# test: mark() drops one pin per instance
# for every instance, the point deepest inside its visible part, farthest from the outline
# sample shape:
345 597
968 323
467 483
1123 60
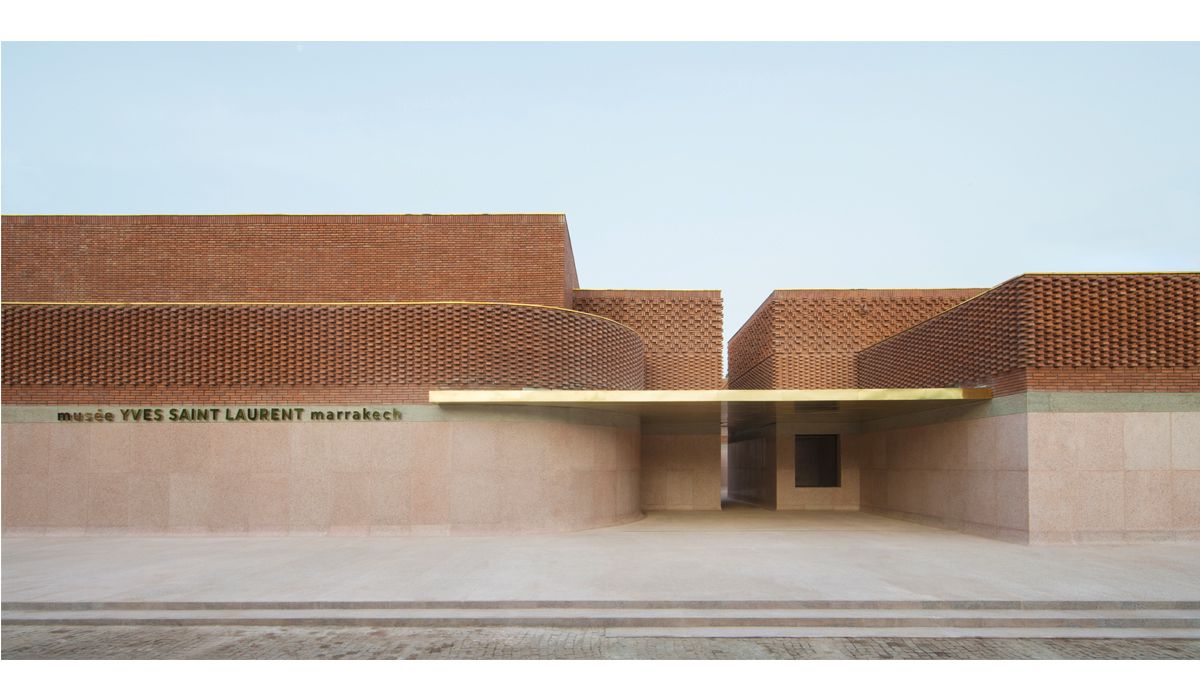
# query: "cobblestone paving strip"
182 642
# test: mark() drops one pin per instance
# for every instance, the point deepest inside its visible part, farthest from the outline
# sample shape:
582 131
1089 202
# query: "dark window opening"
817 461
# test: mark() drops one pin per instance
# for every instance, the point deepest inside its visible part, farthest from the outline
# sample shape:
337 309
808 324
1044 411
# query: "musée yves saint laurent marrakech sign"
227 414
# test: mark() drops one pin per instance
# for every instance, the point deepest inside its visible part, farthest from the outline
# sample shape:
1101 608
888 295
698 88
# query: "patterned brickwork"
521 258
1114 320
751 350
681 329
815 370
759 376
251 353
1135 332
808 339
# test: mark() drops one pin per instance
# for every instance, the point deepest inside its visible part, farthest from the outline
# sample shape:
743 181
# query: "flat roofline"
544 396
875 289
1143 272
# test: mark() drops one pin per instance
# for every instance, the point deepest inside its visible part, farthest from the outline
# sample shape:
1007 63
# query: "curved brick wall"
256 353
1138 332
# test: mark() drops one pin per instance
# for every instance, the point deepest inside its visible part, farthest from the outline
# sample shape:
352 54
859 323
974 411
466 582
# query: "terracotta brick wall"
682 331
570 276
751 350
56 354
523 258
1094 332
808 338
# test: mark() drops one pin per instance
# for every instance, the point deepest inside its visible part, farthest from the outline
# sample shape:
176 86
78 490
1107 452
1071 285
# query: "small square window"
817 463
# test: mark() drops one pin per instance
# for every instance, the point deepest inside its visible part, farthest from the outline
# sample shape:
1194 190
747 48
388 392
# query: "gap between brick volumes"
219 415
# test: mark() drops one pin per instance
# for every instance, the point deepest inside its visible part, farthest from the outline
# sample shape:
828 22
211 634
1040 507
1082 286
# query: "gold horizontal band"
537 396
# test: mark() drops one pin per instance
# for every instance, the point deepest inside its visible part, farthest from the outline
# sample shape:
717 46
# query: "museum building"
446 374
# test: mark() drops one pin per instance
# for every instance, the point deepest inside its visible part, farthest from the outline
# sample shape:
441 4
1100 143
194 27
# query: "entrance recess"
768 433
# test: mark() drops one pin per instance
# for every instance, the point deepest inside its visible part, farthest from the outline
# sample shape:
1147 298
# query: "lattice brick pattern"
751 349
322 347
808 338
679 370
1114 320
831 370
1131 332
759 376
681 329
819 324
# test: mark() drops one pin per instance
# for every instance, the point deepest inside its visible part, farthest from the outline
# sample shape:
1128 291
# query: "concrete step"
924 632
609 604
1176 619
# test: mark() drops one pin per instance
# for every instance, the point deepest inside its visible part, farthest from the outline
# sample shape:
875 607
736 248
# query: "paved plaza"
741 554
741 583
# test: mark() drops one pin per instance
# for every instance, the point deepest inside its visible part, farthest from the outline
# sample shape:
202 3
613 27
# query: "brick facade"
303 345
58 354
1045 332
273 307
682 331
521 258
808 338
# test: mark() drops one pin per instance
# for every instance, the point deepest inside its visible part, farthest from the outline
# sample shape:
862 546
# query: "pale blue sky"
741 167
